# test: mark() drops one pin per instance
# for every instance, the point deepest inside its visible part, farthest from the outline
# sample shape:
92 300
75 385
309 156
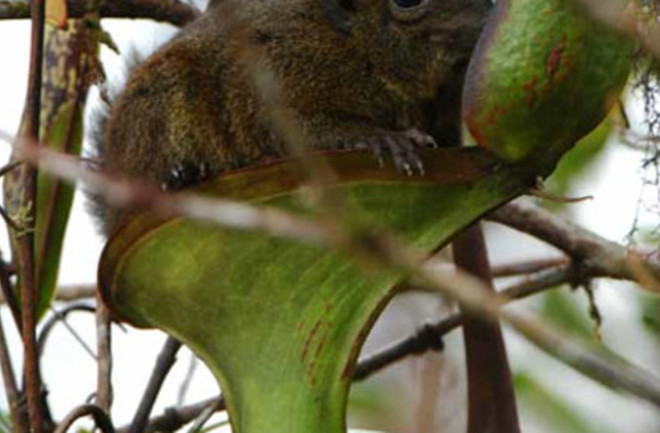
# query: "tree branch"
9 297
101 418
597 256
24 242
491 400
527 267
63 294
429 337
173 12
56 318
16 409
103 356
175 418
164 363
378 247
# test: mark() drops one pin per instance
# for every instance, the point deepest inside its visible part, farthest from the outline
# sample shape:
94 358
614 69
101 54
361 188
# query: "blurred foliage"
577 162
561 307
550 410
5 423
650 314
370 403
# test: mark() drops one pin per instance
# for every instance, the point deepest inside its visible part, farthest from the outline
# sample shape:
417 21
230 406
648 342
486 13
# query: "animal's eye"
407 4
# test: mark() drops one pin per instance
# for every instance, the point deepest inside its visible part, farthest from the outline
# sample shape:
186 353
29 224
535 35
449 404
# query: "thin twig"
16 409
597 255
204 417
175 418
378 247
164 363
101 418
68 293
75 335
103 356
527 267
429 337
185 384
9 220
9 167
7 290
60 316
174 12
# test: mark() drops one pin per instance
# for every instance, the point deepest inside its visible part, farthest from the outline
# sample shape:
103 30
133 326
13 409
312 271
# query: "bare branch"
175 418
63 294
429 337
527 267
378 247
16 409
57 317
103 356
597 256
101 418
491 400
25 196
185 383
9 297
174 12
164 363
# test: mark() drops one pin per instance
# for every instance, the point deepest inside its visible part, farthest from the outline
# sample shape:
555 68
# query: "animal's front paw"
403 146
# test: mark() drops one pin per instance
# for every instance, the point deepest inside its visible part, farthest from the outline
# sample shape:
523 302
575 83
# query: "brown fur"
193 102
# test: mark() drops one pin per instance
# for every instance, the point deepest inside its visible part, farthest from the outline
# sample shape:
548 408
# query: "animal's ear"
338 13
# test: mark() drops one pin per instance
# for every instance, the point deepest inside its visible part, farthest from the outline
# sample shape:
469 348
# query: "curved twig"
102 419
427 337
57 317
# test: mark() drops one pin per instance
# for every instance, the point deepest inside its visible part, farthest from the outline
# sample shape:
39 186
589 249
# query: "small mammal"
353 71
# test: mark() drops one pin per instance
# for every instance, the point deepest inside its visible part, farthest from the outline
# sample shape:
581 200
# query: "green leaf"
561 308
550 409
280 323
70 67
578 160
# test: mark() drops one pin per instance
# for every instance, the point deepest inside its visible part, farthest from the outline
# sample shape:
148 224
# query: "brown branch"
65 293
9 297
164 363
103 356
16 409
101 418
429 337
491 400
175 418
527 267
597 256
25 241
74 293
378 247
173 12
